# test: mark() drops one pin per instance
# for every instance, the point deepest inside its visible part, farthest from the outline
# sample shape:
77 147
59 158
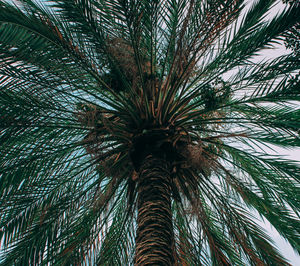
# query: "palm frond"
89 89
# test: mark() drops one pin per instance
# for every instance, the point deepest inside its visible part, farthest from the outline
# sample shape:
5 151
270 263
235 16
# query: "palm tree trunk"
155 238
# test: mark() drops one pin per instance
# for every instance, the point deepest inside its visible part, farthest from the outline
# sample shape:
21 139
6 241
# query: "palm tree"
292 40
139 132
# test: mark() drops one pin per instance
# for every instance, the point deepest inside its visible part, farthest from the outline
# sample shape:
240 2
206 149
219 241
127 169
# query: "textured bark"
155 238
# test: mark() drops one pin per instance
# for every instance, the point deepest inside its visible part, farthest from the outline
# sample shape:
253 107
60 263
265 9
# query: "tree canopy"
89 89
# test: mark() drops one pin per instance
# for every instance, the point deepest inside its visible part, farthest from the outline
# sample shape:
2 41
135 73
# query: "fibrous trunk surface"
155 238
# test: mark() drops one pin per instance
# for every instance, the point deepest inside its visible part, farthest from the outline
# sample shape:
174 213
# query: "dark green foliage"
89 89
292 40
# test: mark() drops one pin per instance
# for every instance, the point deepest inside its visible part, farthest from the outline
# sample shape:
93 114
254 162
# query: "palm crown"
122 139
